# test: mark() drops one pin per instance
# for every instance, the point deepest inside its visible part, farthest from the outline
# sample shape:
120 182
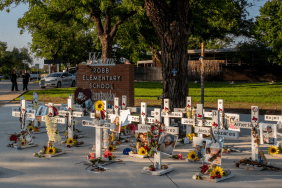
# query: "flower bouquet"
47 151
275 151
178 156
212 172
24 138
192 156
72 142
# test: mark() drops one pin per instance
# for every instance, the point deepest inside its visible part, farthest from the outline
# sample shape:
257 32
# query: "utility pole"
202 72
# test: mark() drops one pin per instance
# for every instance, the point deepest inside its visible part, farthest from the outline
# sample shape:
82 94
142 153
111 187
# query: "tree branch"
96 16
114 30
155 51
107 25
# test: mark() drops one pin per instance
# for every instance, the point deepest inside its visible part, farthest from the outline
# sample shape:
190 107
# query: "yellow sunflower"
111 148
30 128
192 155
22 143
273 150
70 141
142 151
112 138
50 150
217 171
99 105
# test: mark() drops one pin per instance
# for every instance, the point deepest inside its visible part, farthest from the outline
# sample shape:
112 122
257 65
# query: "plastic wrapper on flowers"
126 151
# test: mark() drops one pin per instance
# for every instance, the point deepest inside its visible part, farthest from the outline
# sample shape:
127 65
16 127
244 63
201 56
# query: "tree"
268 28
105 15
176 20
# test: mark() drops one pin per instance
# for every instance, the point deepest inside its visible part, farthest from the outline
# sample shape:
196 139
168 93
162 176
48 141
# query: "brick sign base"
107 82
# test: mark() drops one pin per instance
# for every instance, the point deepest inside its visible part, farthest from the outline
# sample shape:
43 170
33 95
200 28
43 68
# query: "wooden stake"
202 72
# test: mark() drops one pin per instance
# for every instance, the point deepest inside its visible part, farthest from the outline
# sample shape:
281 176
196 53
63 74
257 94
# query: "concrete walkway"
18 168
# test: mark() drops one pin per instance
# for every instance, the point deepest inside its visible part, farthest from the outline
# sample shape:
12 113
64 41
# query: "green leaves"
268 28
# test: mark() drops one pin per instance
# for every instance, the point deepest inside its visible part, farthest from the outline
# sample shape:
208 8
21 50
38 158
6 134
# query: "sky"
10 33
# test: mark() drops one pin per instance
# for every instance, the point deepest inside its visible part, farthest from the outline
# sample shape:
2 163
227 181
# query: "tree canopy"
268 28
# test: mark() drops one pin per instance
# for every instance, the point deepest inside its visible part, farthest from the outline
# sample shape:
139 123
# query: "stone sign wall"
107 82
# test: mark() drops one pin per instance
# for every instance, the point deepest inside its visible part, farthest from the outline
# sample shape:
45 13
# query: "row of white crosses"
70 114
99 125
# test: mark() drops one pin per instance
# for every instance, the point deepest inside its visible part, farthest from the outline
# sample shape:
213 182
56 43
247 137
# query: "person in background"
14 80
25 76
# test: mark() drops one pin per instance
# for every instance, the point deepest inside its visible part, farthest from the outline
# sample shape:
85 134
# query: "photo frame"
141 139
229 121
167 143
213 152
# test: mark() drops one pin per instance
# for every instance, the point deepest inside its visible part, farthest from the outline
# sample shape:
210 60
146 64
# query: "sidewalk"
10 96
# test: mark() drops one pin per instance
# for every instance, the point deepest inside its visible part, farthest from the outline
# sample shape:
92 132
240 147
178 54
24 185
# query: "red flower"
146 148
153 169
68 146
13 138
218 176
107 154
153 141
69 108
215 124
153 128
162 130
179 156
212 177
204 168
143 114
50 114
199 116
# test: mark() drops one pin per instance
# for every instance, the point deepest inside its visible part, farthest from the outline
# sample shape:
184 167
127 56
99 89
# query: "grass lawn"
240 95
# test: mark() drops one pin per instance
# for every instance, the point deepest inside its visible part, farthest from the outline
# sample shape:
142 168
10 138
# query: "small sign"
16 114
226 133
142 127
150 120
272 118
134 118
68 65
78 114
187 121
30 115
242 124
182 110
172 130
173 115
208 114
202 130
37 66
174 72
87 123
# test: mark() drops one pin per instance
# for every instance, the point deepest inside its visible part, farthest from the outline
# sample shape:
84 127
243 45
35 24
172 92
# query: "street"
6 86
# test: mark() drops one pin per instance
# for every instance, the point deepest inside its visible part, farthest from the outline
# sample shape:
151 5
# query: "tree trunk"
107 43
172 22
175 56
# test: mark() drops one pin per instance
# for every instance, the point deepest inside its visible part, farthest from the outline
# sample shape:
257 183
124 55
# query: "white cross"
250 125
99 125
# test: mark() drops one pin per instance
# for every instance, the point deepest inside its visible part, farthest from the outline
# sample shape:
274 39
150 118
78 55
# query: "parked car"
58 79
34 76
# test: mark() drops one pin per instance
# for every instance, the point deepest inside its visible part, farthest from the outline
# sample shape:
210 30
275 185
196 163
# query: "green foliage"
268 28
240 92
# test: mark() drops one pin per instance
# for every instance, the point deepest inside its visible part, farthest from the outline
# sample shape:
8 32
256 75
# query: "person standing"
25 76
14 80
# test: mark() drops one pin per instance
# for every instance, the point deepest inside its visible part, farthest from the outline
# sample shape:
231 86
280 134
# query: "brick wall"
88 78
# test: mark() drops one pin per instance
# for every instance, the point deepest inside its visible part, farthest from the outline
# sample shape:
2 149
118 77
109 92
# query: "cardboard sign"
208 114
77 114
173 115
171 130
